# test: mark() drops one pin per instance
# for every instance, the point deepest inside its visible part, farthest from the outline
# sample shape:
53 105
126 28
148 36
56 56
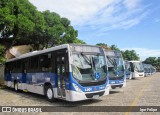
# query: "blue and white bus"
147 69
128 70
116 71
70 72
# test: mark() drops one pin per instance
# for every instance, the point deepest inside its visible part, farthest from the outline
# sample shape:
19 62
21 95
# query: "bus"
69 72
116 71
152 69
128 70
147 69
137 69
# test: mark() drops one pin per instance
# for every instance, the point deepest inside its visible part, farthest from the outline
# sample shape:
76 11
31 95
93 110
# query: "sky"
129 24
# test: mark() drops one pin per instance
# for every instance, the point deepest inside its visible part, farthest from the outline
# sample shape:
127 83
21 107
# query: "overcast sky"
129 24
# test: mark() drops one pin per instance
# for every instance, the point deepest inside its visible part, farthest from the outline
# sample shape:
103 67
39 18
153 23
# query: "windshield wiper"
111 61
87 59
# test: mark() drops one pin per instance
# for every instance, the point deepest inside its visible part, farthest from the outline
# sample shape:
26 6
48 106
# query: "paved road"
138 92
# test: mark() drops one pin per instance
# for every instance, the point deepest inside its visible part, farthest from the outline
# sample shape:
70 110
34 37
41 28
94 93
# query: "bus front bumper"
79 96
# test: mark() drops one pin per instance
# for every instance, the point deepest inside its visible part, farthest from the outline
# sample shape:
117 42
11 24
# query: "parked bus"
116 73
147 69
128 70
137 69
70 72
152 69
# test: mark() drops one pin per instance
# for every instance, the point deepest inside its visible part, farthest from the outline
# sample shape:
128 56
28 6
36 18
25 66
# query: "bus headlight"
76 88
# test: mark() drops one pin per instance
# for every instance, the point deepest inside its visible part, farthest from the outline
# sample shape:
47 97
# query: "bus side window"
11 67
18 66
45 62
7 68
34 64
132 67
25 65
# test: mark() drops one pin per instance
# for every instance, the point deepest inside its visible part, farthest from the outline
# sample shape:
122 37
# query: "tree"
19 22
153 61
58 30
130 55
114 47
103 45
2 53
22 24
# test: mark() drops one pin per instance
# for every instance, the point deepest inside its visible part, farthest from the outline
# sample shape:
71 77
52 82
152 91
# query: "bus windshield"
127 68
115 66
138 67
88 67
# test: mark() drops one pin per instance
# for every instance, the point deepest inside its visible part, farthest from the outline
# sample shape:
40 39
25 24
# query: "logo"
6 109
97 75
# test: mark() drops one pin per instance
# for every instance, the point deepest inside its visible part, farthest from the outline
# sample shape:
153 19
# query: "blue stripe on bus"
39 79
88 88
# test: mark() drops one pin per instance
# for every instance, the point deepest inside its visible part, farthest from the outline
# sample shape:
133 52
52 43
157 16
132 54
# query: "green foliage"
103 45
19 21
58 30
153 61
130 55
114 47
2 53
21 24
127 55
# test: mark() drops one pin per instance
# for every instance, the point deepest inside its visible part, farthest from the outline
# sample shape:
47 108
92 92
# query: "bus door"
61 74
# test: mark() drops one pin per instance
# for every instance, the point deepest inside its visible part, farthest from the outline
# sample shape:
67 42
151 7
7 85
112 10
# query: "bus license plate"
96 96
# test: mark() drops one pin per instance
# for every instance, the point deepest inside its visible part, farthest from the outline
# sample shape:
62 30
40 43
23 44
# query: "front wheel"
49 93
113 87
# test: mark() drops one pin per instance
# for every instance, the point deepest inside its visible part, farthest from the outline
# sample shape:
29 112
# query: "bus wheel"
113 87
16 86
49 93
130 77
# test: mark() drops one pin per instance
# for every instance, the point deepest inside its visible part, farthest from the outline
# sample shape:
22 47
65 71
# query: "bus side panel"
7 79
35 81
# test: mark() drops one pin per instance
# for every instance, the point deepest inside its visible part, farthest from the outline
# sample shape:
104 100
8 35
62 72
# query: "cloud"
131 4
98 15
156 20
145 52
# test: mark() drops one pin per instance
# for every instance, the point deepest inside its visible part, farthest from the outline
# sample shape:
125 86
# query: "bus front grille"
116 78
90 95
95 83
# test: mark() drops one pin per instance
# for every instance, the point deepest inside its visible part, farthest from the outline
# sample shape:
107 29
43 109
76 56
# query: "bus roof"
113 53
39 52
134 61
52 49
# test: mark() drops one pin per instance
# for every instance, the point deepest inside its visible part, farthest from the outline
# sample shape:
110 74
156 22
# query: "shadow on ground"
41 98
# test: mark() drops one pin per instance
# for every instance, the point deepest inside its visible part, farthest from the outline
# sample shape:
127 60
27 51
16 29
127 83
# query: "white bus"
137 69
70 72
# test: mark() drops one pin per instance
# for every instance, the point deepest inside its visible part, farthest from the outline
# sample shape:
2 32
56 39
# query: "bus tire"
113 87
49 93
16 86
